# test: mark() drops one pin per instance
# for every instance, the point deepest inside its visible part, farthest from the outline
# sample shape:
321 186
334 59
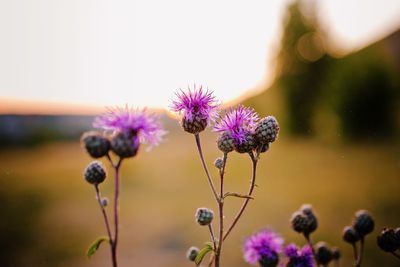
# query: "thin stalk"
355 253
396 255
210 182
105 217
212 236
360 256
246 201
221 213
116 212
308 238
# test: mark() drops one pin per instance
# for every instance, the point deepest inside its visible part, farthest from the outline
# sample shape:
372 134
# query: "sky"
138 52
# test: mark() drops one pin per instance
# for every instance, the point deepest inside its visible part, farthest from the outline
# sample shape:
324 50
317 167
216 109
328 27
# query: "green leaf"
203 252
95 245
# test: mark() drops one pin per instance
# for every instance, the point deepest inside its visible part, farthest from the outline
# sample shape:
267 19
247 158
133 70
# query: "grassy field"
50 214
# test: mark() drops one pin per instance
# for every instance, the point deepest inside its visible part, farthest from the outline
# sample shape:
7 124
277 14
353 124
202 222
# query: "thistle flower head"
239 122
133 121
196 102
263 246
299 257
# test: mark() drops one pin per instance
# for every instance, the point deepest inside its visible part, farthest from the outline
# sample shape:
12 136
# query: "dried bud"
204 216
95 173
194 125
247 144
125 145
267 130
299 222
350 235
387 240
104 202
323 253
219 163
336 254
192 253
226 142
96 144
363 223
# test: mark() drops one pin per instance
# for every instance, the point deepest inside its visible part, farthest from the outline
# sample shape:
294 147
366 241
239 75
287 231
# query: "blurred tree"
364 91
301 67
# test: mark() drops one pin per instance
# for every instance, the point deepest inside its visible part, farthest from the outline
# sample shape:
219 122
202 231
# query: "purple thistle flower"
133 121
299 257
195 103
263 247
238 122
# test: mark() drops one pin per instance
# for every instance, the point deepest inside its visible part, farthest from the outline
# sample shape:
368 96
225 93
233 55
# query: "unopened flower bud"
363 223
247 144
104 202
323 253
312 221
225 142
192 253
96 144
204 216
95 173
350 235
219 163
125 145
387 240
336 254
267 130
299 222
194 125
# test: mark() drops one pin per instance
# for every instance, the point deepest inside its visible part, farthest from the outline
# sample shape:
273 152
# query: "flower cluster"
124 130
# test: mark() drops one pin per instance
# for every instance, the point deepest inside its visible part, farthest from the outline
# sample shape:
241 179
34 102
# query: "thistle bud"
336 254
363 223
95 173
323 253
312 221
219 163
387 240
350 235
299 222
125 145
267 130
96 144
226 142
247 144
204 216
192 253
194 125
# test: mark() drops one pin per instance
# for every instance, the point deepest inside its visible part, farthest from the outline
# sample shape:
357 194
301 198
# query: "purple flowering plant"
240 130
121 131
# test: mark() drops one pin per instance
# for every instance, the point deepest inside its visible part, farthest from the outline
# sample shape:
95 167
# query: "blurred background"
328 70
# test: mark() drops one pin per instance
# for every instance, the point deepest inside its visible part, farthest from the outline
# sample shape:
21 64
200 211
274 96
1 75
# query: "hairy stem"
210 182
360 256
221 213
116 212
246 201
105 217
308 238
355 253
212 236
